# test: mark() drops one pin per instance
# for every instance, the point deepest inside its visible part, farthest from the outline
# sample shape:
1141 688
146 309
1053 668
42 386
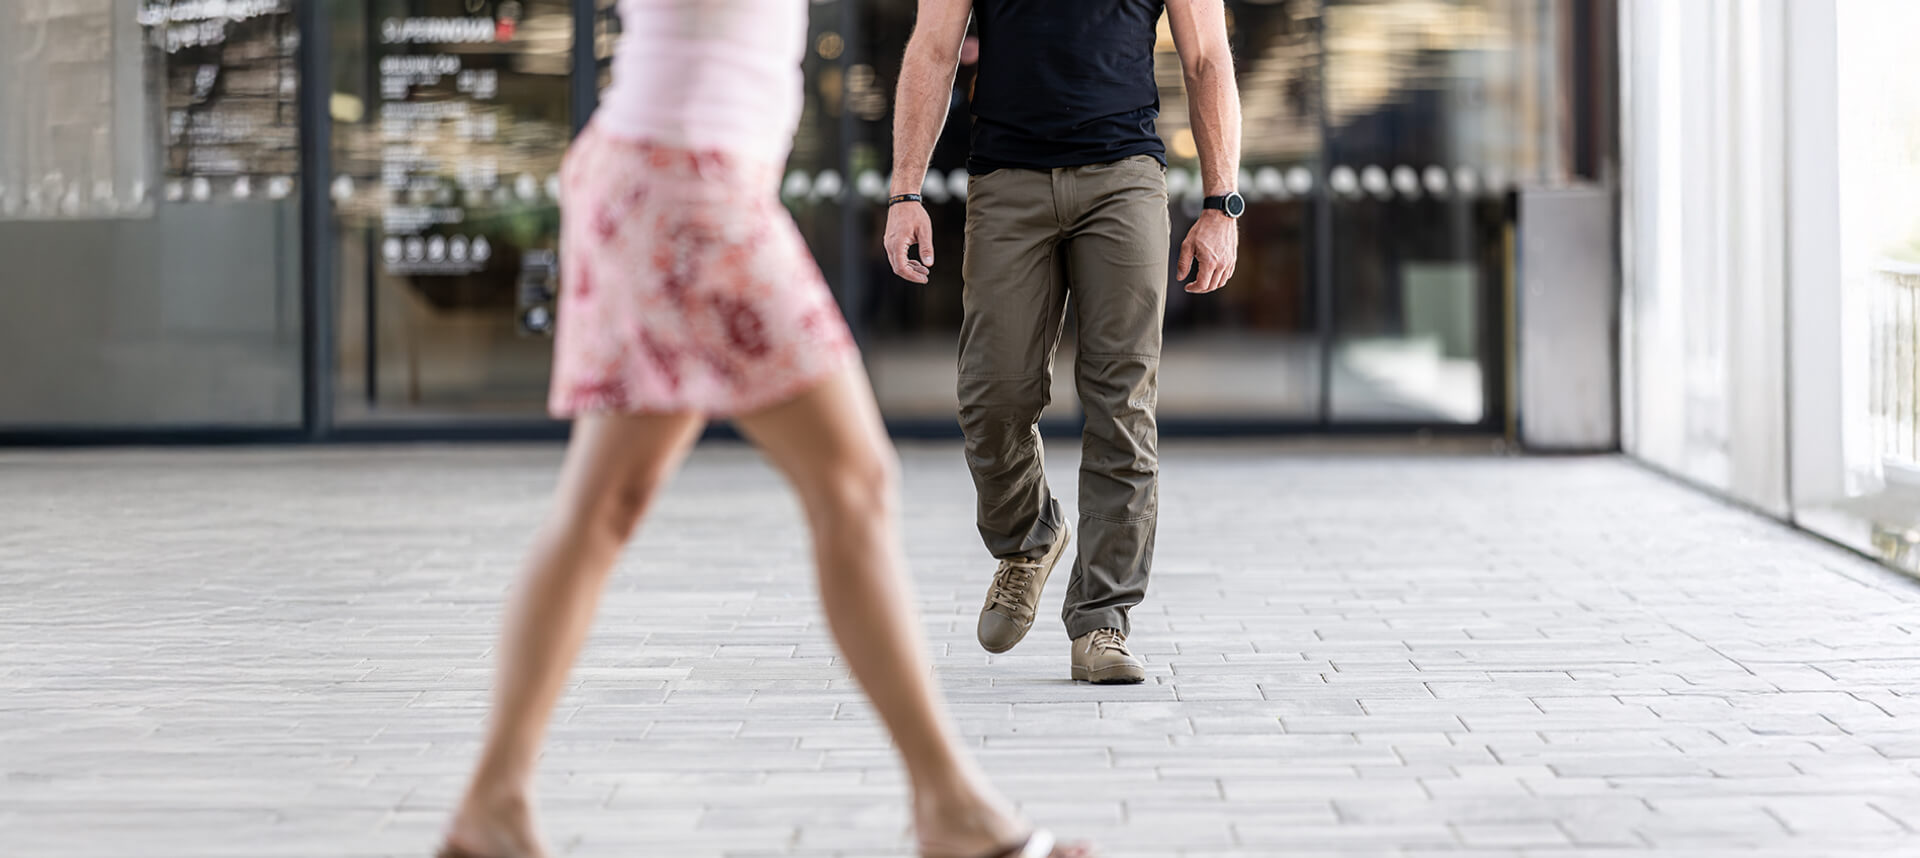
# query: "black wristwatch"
1231 204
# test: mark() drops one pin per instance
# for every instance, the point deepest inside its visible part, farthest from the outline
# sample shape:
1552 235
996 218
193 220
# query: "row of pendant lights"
1373 181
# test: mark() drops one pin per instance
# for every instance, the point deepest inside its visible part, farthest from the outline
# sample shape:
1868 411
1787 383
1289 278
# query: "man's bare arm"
919 112
1213 108
1213 98
926 87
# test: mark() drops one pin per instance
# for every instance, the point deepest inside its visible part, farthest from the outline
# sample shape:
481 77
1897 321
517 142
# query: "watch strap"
897 199
1219 203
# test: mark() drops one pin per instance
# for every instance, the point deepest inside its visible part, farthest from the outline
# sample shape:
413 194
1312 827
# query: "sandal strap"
1039 844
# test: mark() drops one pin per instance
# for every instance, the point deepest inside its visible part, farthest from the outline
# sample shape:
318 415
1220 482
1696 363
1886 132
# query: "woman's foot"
494 827
977 824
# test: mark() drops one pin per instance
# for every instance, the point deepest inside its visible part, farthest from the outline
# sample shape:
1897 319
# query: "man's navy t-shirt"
1064 83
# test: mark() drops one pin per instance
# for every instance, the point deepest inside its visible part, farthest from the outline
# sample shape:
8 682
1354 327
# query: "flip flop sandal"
1039 844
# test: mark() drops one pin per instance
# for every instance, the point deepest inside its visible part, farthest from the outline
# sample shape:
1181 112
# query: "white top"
709 74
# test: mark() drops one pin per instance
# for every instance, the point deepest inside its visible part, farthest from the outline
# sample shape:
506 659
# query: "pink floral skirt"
685 286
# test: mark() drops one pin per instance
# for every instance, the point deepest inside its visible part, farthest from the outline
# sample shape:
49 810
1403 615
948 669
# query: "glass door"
1434 111
450 118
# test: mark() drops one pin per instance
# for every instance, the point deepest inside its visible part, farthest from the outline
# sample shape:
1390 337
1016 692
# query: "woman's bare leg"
830 443
615 466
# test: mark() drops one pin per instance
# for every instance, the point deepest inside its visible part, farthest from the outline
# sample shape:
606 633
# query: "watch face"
1236 204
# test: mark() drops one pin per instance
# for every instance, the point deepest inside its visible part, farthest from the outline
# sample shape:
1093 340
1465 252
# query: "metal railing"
1894 380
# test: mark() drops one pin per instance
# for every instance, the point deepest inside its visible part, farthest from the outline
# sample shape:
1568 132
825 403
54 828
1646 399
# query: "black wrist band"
897 199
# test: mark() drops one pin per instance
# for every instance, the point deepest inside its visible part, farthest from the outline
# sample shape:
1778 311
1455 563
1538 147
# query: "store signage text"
450 31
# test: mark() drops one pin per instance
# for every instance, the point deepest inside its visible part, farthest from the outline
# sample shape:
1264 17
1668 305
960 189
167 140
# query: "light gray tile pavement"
286 653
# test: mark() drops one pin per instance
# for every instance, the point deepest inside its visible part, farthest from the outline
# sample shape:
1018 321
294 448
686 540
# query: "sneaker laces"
1010 586
1108 640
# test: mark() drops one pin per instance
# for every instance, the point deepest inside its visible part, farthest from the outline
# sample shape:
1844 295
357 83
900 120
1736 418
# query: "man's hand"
1213 245
907 225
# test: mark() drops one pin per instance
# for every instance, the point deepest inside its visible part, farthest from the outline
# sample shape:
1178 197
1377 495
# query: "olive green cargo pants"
1097 234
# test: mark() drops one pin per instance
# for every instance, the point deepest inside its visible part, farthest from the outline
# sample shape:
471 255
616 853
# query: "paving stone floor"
286 653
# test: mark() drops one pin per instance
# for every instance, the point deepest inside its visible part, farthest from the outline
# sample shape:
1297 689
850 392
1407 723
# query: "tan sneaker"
1101 657
1015 596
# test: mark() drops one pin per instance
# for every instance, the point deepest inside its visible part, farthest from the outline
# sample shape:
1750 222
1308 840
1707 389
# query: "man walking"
1067 198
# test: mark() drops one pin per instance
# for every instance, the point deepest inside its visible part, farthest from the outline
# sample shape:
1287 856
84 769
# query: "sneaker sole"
1047 564
1122 675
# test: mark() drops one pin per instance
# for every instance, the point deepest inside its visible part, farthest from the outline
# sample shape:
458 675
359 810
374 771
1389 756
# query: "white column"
1817 404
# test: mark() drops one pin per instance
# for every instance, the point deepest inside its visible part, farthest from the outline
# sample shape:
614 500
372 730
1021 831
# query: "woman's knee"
861 485
610 517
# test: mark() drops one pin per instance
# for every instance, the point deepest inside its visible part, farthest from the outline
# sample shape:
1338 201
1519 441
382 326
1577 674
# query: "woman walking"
689 294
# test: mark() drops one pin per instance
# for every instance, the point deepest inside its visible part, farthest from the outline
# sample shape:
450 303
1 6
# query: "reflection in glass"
79 104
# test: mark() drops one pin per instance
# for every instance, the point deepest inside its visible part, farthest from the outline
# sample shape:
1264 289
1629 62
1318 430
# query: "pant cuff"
1081 624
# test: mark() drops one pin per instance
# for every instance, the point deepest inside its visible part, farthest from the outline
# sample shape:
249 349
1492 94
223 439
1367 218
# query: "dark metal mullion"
1579 44
370 273
1322 256
584 91
370 298
316 228
1606 79
1499 317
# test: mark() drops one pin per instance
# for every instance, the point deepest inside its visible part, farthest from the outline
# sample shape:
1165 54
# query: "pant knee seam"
1112 520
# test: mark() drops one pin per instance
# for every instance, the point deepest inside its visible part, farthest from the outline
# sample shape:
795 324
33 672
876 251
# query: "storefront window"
149 215
152 187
